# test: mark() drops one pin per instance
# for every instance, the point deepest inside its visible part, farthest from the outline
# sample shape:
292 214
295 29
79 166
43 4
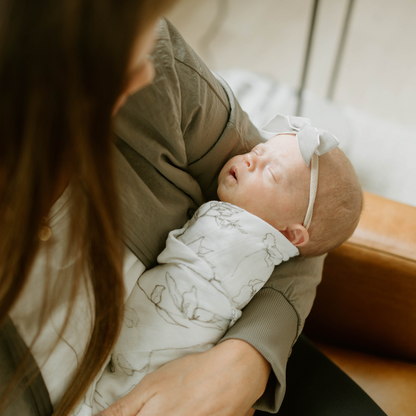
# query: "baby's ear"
297 234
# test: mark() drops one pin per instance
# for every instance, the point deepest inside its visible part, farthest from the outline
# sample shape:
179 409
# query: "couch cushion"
390 383
367 297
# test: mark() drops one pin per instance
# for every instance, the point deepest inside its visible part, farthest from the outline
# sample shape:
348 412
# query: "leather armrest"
367 298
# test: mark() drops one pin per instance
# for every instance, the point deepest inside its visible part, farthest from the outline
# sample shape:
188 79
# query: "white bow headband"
312 142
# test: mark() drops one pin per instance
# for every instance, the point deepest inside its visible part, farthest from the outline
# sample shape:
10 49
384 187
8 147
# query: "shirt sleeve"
274 319
197 130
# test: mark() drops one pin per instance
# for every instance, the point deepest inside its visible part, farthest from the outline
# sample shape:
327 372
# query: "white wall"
378 74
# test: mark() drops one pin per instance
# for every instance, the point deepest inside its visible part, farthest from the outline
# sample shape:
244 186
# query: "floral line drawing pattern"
212 280
248 291
272 255
186 303
222 213
201 251
127 368
146 368
156 298
272 252
131 318
209 270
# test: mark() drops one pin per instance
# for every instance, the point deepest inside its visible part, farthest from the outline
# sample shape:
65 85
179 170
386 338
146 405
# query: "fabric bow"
310 139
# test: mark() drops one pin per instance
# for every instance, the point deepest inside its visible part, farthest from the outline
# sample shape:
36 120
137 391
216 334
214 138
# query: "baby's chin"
223 194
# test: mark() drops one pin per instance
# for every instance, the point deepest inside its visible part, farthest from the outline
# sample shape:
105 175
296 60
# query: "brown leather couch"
364 316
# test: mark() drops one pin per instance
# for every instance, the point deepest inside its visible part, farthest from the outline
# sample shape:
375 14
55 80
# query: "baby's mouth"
233 173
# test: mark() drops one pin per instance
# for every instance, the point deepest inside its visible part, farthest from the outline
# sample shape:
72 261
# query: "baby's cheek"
219 193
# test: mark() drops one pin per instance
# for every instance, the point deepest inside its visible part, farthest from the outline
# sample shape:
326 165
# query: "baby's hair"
338 205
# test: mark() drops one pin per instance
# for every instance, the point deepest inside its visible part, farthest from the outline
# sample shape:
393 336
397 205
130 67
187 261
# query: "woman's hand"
223 381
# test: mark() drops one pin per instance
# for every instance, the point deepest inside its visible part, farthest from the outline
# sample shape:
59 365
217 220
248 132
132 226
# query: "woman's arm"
200 384
173 138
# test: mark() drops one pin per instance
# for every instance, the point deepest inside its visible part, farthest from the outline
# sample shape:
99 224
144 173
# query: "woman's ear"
297 234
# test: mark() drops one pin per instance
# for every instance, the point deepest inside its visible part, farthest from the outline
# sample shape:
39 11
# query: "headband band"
312 142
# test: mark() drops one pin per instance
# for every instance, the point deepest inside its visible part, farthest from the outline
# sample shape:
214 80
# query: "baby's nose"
250 161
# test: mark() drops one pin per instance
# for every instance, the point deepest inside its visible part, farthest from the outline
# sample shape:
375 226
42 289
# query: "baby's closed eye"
273 173
258 150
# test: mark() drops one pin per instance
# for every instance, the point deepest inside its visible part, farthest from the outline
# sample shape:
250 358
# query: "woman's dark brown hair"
62 67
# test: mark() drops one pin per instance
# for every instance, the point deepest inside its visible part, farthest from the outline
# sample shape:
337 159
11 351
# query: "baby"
274 182
213 266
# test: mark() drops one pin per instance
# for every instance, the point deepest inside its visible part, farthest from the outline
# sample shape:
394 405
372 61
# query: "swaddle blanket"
209 270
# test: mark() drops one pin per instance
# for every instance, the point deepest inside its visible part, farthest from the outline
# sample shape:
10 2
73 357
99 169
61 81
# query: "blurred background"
359 81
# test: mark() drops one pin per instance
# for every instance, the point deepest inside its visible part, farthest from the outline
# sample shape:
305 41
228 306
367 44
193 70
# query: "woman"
66 68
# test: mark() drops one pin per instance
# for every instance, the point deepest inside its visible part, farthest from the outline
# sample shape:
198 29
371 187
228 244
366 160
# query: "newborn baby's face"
271 182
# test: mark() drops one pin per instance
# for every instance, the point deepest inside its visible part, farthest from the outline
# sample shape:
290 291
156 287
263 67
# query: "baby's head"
273 182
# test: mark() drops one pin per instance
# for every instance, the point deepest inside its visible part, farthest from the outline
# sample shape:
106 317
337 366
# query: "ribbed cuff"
269 323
